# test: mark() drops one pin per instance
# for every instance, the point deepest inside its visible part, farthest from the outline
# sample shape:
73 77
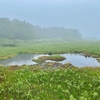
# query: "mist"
75 14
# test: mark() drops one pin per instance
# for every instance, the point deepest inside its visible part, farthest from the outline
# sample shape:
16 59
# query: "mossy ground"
42 59
98 59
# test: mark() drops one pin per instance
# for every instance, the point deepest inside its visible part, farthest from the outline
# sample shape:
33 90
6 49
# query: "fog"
83 15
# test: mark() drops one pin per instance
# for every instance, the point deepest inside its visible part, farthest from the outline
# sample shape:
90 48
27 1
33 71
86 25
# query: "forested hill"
15 29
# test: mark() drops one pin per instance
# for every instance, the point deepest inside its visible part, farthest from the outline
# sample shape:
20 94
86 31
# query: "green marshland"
33 82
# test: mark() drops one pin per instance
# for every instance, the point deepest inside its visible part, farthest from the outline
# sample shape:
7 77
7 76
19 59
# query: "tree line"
15 29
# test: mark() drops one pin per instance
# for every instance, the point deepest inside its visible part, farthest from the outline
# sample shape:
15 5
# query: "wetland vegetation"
55 81
64 82
35 83
42 59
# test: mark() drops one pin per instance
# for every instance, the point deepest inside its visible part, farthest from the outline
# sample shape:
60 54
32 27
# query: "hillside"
15 29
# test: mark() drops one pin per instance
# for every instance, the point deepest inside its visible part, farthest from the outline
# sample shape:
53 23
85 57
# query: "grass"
88 48
98 59
62 83
56 58
42 59
34 83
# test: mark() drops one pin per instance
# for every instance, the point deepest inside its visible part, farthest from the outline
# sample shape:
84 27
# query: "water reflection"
80 60
75 59
19 60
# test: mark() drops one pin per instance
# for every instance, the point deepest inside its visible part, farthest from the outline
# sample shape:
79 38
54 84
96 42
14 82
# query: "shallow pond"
75 59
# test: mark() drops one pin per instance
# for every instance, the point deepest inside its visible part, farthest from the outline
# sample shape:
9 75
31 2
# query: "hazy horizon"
82 15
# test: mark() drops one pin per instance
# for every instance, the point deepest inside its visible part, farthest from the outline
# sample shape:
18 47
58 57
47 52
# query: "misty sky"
83 15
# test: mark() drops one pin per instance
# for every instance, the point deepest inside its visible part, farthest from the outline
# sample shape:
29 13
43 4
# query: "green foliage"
39 47
42 59
56 58
31 83
34 83
15 29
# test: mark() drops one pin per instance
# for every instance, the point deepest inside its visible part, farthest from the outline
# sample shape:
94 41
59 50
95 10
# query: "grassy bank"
35 83
89 48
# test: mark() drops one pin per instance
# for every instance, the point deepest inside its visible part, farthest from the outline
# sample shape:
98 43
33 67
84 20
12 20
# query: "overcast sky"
83 15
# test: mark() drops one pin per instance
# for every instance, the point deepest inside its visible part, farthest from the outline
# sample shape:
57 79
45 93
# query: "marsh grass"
32 83
98 59
56 58
25 47
62 83
43 59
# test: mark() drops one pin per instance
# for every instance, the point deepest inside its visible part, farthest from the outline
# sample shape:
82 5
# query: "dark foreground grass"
35 83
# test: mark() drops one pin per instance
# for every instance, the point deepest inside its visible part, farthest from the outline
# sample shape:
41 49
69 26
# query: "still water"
75 59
